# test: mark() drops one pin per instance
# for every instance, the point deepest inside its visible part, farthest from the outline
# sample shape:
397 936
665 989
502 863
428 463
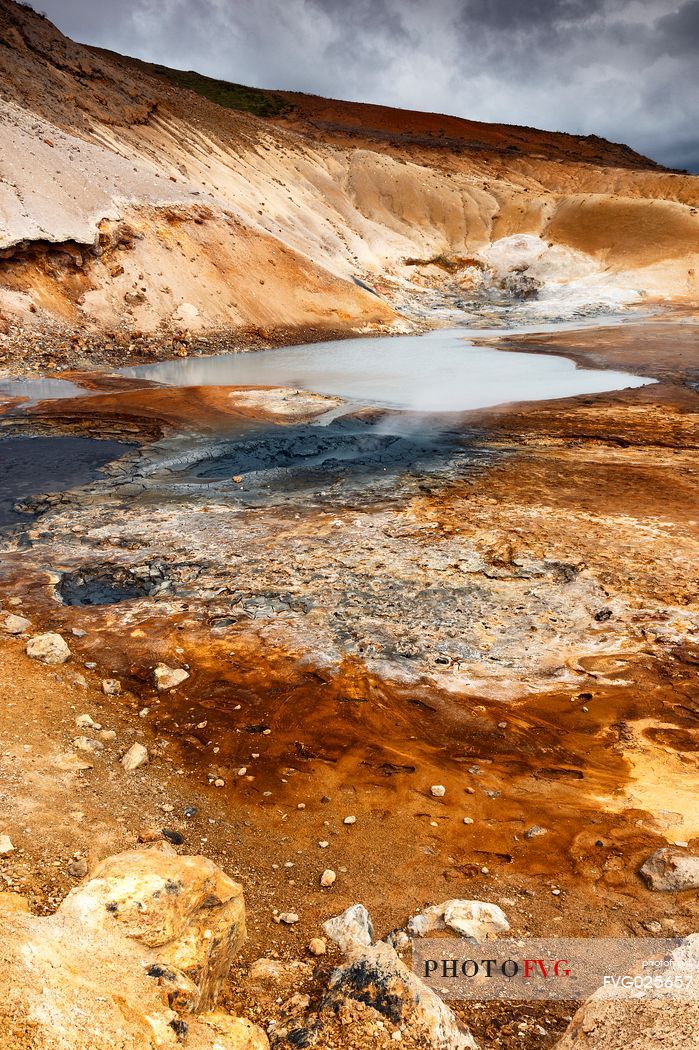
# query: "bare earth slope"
129 201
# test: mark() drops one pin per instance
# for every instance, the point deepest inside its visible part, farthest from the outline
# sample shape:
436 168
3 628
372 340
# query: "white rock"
16 624
186 313
50 648
6 847
671 870
111 686
350 820
438 790
327 878
86 722
352 929
136 756
477 920
168 677
288 917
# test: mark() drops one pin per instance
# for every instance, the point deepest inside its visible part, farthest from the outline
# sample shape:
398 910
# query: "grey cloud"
678 33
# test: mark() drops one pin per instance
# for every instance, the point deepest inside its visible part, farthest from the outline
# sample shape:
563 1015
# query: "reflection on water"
440 371
40 389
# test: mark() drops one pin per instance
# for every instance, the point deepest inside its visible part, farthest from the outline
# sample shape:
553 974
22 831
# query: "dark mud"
31 466
105 586
349 456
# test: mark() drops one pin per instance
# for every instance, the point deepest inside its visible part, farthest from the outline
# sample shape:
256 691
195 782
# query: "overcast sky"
624 69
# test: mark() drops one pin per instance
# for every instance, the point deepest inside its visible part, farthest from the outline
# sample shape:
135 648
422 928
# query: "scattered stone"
87 722
477 920
111 686
108 735
438 790
352 929
671 870
653 927
136 756
16 624
172 836
328 878
6 847
398 939
468 820
88 744
288 917
317 946
167 678
50 648
350 820
77 867
78 632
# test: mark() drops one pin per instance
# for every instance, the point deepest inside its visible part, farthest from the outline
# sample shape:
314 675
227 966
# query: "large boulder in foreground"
375 975
617 1019
133 958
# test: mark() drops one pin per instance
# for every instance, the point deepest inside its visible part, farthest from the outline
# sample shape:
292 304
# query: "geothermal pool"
440 371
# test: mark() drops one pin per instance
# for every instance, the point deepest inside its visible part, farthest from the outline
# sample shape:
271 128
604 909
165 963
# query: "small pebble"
350 820
77 867
438 790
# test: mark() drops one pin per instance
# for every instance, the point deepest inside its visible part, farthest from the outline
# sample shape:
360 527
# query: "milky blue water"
440 371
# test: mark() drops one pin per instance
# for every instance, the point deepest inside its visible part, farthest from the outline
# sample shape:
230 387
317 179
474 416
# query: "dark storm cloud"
678 33
625 69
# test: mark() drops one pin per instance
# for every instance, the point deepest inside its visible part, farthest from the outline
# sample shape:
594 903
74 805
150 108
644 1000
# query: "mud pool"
33 465
440 371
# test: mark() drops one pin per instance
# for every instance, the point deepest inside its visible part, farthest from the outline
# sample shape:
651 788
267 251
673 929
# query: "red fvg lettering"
559 968
532 965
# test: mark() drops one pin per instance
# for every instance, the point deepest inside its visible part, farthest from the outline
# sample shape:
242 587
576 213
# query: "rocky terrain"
144 211
287 681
